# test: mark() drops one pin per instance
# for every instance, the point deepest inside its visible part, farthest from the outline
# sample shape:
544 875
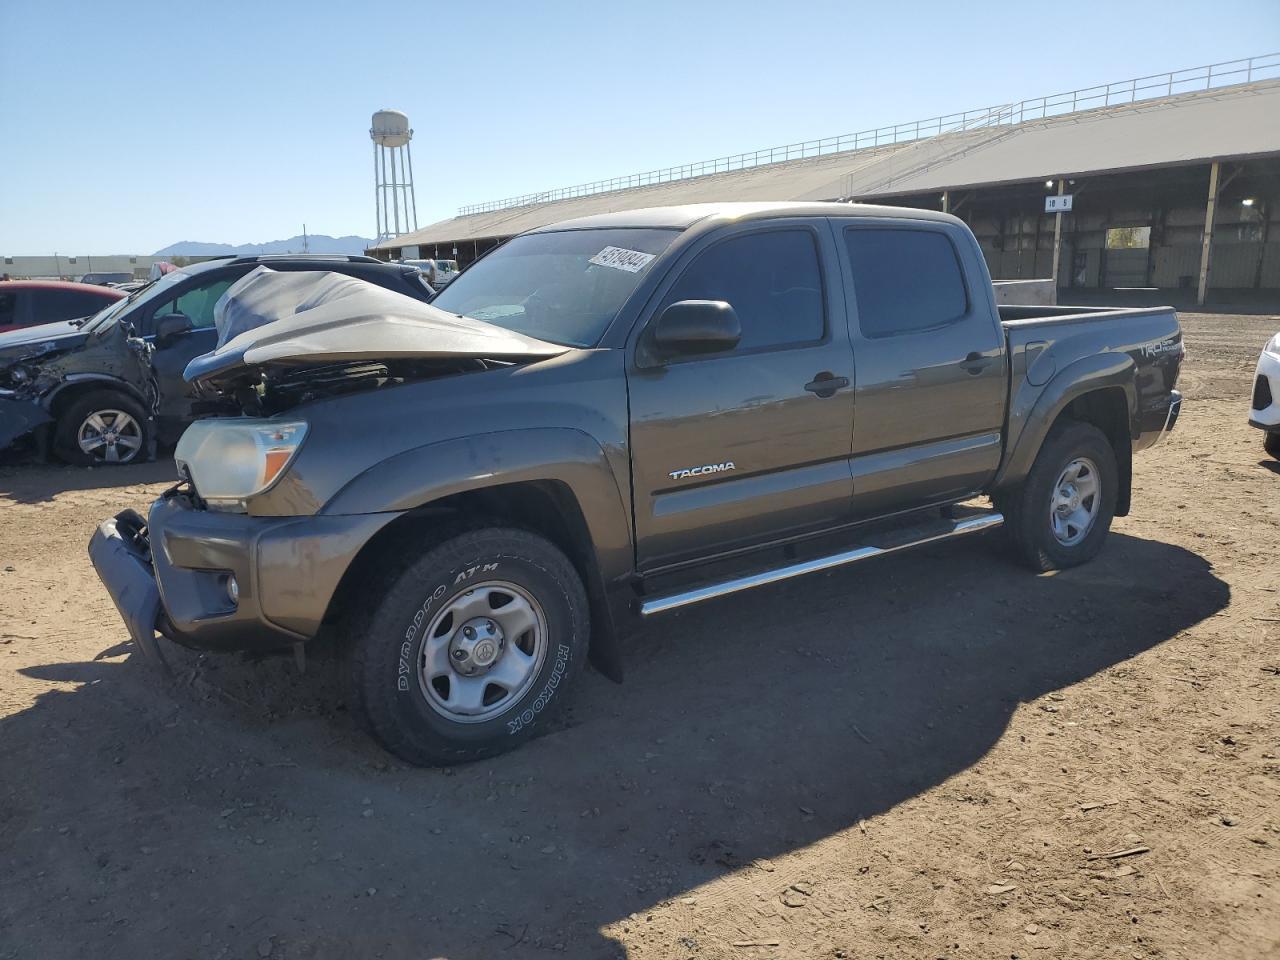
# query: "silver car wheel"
1075 502
110 436
482 652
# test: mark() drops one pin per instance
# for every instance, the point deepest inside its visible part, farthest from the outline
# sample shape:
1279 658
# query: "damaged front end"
285 339
37 366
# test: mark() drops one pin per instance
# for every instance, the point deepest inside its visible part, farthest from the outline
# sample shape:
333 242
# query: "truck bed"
1055 352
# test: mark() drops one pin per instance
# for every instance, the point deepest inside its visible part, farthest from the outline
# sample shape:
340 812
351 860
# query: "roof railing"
1119 93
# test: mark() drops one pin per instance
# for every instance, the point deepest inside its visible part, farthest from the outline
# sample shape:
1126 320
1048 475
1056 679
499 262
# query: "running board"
945 531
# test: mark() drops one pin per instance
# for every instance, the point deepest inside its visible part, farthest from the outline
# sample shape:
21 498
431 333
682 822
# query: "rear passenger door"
930 360
778 444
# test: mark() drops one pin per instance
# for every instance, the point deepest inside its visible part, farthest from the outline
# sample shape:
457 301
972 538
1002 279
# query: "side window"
86 304
50 306
770 279
904 280
198 303
8 309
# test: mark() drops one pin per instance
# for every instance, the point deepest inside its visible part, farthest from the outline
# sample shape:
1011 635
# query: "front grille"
1261 393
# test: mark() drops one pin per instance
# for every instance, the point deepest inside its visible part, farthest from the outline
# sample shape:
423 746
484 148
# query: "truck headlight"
1273 345
231 460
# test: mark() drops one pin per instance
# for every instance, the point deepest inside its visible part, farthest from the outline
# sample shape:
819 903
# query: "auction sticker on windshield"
620 258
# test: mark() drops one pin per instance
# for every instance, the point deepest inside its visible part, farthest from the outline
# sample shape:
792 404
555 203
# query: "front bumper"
172 576
19 418
1264 407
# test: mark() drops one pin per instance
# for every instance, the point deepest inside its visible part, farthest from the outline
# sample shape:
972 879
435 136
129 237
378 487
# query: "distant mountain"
315 243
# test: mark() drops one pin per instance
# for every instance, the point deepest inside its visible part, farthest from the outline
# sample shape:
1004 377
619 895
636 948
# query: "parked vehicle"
107 279
438 272
670 405
30 303
103 390
1264 408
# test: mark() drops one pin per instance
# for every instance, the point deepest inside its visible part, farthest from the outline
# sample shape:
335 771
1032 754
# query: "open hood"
293 318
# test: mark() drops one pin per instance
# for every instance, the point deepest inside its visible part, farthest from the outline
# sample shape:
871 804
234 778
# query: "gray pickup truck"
614 417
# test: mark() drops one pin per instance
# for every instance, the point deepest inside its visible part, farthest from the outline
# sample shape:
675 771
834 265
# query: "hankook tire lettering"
528 713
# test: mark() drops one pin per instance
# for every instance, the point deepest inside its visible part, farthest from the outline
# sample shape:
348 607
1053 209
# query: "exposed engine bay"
263 392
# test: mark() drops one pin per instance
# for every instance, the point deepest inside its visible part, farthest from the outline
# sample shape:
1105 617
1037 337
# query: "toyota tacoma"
616 417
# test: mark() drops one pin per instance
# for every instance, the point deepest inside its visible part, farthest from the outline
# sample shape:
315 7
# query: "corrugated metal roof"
1230 122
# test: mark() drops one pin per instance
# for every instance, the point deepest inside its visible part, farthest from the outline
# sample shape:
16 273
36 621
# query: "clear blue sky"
128 126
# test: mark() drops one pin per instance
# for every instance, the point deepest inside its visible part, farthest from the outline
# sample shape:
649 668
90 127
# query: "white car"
1264 411
437 272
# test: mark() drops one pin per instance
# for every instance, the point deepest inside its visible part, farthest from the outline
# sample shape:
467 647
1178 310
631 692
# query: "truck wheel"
473 648
102 428
1271 443
1060 515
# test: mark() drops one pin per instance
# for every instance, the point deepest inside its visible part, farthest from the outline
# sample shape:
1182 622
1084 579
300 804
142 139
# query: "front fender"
93 380
427 474
1033 410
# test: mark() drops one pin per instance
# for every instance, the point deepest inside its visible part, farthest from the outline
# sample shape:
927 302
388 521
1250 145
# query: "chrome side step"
953 528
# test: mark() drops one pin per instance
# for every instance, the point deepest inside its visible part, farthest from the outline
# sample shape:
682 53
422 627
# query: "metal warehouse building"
1174 182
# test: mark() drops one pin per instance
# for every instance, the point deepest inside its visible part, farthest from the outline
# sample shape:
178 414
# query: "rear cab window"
905 279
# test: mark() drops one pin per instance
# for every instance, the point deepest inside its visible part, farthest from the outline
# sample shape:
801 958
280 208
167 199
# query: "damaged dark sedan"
107 389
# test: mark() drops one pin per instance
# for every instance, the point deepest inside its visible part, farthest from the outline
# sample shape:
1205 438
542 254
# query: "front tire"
1060 515
472 649
102 428
1271 443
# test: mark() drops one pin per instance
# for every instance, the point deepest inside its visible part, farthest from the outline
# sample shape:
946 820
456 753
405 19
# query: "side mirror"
691 327
171 326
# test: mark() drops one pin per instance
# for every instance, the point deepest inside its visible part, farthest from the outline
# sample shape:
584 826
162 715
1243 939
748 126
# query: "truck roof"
686 215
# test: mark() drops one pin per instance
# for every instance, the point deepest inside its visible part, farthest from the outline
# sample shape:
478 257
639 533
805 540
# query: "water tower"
397 209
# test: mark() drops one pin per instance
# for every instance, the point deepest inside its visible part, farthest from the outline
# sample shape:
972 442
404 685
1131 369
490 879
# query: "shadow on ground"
234 807
40 482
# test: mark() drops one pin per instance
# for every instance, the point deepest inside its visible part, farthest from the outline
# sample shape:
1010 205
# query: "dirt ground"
936 755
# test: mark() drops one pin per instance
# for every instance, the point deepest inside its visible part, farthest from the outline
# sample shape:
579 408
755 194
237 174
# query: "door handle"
826 384
975 362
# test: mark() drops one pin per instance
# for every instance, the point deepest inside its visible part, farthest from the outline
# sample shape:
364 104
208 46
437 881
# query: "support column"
1057 236
946 201
1206 244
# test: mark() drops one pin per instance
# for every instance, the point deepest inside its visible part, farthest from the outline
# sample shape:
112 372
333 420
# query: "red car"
27 303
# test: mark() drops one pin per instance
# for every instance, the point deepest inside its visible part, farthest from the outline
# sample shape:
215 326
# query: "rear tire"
472 649
1271 443
1060 515
102 428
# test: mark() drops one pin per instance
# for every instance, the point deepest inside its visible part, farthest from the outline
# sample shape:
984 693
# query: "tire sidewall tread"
66 444
1271 443
387 641
1027 508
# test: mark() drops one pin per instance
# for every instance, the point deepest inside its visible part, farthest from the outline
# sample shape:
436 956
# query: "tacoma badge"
700 471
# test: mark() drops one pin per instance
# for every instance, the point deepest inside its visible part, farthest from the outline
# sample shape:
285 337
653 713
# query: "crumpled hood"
314 316
32 340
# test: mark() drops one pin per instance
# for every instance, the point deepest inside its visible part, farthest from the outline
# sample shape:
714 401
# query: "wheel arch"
77 385
559 486
1098 389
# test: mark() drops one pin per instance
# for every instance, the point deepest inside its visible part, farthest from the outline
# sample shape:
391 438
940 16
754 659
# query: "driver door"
732 450
170 359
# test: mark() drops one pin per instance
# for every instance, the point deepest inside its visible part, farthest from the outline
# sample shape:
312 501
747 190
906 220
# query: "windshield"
562 287
147 293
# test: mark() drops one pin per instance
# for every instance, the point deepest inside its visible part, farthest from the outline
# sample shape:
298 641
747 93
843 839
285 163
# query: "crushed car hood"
38 339
313 317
